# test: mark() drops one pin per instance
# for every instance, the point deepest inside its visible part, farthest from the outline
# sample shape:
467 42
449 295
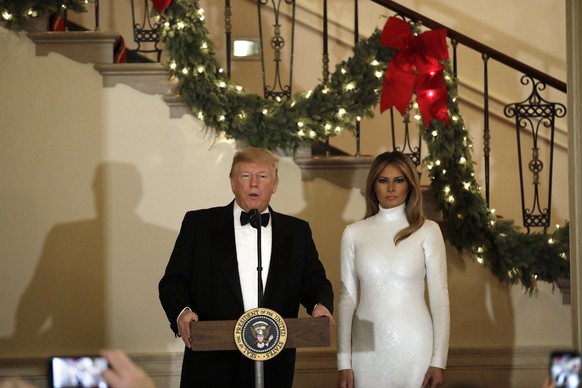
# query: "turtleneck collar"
393 213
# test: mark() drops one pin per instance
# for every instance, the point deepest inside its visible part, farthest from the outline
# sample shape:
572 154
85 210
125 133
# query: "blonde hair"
413 211
255 155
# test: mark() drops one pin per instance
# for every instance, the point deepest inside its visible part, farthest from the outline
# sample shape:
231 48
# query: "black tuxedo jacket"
202 273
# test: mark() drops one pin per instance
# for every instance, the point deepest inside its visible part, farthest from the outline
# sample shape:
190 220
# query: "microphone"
255 218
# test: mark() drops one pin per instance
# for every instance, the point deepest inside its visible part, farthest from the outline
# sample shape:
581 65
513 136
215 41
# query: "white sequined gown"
386 332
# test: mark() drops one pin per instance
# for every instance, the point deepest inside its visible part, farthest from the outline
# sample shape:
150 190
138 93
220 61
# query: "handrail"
477 46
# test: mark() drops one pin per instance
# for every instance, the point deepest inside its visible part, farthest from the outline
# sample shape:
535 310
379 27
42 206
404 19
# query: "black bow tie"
245 218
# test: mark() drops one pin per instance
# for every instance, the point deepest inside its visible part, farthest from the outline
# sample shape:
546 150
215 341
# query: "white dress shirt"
247 257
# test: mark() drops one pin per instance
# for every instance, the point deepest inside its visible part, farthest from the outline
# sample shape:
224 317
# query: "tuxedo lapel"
279 255
224 244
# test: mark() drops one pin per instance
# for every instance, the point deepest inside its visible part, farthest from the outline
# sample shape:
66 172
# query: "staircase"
349 172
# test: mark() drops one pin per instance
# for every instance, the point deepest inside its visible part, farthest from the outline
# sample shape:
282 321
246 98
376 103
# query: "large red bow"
160 5
415 67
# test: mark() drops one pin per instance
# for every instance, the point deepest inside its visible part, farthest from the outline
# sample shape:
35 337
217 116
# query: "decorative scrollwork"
531 115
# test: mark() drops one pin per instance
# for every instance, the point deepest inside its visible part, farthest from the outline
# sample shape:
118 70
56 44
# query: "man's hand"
123 373
346 378
434 377
321 311
184 320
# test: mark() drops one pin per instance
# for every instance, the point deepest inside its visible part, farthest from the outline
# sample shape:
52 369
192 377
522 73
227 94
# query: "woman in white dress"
387 336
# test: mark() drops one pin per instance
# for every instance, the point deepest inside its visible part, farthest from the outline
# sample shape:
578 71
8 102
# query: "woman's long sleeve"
347 301
436 277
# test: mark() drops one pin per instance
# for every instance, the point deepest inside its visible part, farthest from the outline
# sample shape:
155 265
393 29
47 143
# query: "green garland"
17 14
331 108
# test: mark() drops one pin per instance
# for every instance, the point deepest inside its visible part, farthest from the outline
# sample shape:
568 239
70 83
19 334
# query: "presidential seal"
260 334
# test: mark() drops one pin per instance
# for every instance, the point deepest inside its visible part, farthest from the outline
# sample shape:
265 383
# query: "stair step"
178 106
80 46
149 78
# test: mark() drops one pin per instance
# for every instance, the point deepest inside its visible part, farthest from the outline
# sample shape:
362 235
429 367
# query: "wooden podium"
219 335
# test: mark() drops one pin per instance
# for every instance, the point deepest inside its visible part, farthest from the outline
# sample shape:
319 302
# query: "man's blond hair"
255 155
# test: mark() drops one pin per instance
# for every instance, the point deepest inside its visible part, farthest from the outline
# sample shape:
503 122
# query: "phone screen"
83 371
565 369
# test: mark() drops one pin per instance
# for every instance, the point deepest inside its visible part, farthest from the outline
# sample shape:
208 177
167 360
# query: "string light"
186 19
479 255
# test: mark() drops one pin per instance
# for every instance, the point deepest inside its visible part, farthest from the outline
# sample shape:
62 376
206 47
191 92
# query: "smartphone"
77 371
565 369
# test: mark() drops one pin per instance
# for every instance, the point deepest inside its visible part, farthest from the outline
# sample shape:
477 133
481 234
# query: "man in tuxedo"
212 274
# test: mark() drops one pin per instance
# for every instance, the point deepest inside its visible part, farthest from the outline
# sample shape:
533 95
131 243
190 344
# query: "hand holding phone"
78 371
123 372
565 369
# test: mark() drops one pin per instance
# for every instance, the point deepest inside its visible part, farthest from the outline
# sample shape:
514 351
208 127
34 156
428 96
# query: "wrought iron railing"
533 114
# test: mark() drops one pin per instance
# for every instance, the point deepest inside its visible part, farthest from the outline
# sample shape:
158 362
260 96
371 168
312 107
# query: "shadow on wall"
64 309
482 316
